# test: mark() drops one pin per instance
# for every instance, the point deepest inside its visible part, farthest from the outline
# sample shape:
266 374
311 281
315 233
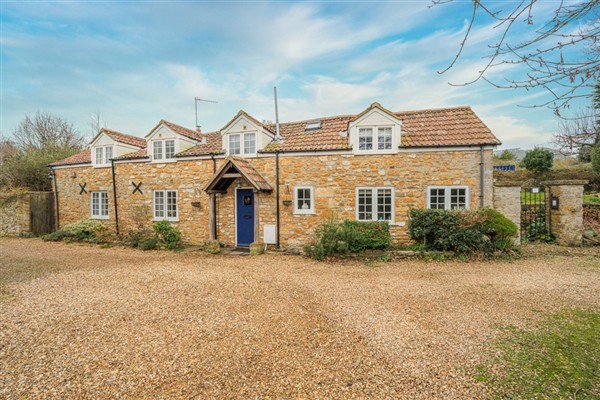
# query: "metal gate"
536 222
41 206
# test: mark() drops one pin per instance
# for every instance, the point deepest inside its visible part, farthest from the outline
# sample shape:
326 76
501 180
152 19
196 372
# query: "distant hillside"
520 153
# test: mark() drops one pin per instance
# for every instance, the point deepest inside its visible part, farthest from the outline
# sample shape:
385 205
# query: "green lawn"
589 199
558 360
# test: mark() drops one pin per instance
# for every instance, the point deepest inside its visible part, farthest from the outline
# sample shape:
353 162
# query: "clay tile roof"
182 130
141 153
444 127
80 158
250 173
457 126
123 138
327 137
212 145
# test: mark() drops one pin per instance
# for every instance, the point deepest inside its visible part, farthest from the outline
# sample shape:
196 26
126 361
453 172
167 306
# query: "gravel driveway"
90 322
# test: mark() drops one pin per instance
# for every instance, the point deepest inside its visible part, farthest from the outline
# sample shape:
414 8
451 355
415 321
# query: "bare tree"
577 135
46 131
96 122
562 57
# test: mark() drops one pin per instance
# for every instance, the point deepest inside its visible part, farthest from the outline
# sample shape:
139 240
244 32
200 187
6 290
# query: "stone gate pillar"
507 200
567 220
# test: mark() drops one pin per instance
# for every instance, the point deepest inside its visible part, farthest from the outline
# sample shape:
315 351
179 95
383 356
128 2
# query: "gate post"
507 200
567 219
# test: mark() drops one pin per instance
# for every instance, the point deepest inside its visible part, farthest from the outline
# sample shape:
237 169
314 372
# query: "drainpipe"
481 172
212 156
215 198
277 192
112 163
57 220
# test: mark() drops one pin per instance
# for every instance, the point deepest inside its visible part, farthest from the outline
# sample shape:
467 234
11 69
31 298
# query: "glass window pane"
159 204
303 199
384 138
234 144
249 143
108 153
169 149
384 204
437 198
365 139
157 155
171 204
104 204
99 152
365 204
458 198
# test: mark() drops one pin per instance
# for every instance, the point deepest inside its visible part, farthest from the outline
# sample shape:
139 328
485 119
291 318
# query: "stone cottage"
259 182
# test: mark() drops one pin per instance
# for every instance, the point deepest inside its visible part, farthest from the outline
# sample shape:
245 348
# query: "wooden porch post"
211 216
256 216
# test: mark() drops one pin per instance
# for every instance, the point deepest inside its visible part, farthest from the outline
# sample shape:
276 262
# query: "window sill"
303 212
98 217
165 219
101 165
170 160
372 152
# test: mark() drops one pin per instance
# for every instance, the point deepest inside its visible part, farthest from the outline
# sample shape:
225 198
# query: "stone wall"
14 214
507 200
334 178
567 220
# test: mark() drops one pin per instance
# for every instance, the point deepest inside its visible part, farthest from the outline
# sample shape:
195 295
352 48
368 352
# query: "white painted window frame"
448 196
102 150
165 217
310 210
99 193
240 138
243 145
375 139
374 190
162 144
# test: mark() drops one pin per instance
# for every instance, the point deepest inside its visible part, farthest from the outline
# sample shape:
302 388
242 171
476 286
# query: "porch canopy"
233 168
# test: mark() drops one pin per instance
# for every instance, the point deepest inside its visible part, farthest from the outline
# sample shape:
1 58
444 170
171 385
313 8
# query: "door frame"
235 213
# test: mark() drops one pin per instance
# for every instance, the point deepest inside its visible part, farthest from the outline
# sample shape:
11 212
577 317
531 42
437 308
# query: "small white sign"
535 190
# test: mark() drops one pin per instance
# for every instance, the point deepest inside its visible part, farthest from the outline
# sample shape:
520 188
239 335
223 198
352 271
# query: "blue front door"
245 217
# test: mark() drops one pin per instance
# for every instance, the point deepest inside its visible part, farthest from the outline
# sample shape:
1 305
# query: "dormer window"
366 138
163 149
249 143
234 144
103 155
242 145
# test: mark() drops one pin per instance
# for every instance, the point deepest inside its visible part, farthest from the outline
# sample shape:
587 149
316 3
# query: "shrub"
86 230
366 235
167 235
148 243
334 237
483 231
538 160
135 237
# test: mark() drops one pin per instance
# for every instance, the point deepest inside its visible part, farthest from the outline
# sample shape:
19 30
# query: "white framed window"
448 197
103 155
164 204
163 149
384 138
157 153
249 143
234 144
99 205
375 204
365 139
304 200
169 149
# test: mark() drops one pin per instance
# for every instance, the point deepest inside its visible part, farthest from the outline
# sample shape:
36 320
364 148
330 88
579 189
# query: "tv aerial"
198 99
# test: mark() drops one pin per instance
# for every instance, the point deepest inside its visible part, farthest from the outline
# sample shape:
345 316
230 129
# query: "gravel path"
121 323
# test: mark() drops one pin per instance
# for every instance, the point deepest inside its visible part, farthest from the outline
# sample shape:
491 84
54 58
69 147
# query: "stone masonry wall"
14 214
567 221
73 205
507 200
334 178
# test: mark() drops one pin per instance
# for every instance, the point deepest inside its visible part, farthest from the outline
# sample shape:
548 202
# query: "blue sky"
137 62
